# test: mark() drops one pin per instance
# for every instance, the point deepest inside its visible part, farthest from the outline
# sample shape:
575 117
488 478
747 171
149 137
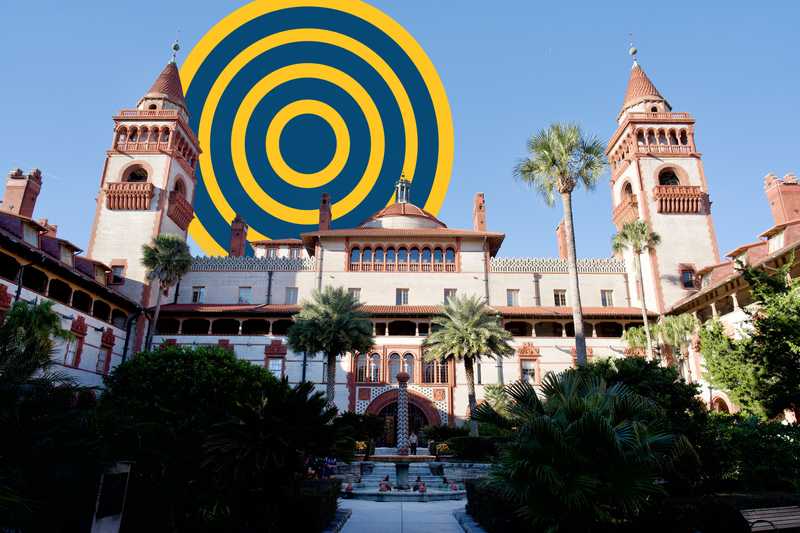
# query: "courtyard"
401 517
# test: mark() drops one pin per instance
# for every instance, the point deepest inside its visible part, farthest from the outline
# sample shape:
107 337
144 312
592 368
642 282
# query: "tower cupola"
641 95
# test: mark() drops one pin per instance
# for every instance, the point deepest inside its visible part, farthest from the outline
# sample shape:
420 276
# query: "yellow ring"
239 130
308 180
372 16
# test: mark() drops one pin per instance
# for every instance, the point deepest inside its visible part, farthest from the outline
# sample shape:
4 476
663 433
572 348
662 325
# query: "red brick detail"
438 395
108 339
325 212
225 343
574 353
528 350
479 212
79 326
169 342
238 237
180 210
276 348
561 240
363 393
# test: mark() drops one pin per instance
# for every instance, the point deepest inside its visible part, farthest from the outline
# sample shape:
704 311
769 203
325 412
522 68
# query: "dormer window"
687 278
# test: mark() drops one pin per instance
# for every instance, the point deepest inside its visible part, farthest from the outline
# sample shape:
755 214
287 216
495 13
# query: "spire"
640 88
168 84
403 191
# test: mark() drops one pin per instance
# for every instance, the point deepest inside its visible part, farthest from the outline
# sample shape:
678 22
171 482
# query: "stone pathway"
401 517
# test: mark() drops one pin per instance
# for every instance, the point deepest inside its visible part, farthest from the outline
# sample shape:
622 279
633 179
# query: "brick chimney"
783 196
325 212
561 240
21 192
238 237
479 212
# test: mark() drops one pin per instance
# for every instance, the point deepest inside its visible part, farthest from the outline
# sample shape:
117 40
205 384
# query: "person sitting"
445 482
453 487
422 488
384 485
417 483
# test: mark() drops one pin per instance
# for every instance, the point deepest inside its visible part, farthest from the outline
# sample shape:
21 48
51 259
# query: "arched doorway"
416 421
421 412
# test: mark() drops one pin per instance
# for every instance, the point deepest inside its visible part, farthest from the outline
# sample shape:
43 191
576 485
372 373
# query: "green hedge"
481 448
491 510
708 514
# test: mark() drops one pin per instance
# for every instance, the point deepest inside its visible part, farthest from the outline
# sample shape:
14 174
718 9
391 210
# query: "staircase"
368 487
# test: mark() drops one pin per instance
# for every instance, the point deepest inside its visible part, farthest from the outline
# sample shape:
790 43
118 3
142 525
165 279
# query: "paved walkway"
402 517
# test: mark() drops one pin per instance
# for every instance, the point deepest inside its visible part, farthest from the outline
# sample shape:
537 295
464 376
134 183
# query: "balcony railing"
149 113
129 196
659 116
625 212
143 146
180 210
680 199
663 149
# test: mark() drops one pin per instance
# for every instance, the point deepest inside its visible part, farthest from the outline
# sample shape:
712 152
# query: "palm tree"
677 332
167 260
467 330
27 340
549 467
560 159
332 324
637 237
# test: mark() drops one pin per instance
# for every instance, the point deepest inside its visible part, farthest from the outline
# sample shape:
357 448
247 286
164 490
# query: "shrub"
491 509
482 448
746 454
443 433
582 456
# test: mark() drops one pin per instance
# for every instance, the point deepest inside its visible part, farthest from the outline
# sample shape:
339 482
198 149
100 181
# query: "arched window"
519 329
180 188
101 310
136 175
118 319
122 136
164 135
651 137
378 259
59 291
34 279
255 326
654 109
9 267
426 260
662 138
195 326
684 138
408 366
402 260
608 329
413 260
391 257
355 257
280 327
404 328
672 138
152 107
438 257
640 137
134 135
374 368
668 177
548 329
361 368
394 367
82 301
167 326
154 135
366 259
627 192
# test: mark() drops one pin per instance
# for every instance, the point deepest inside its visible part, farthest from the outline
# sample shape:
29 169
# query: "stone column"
402 413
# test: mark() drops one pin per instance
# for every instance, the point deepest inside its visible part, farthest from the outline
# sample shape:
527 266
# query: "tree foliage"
584 453
167 259
760 370
332 324
467 330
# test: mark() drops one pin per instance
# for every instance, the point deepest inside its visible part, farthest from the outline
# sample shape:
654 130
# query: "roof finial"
403 190
633 51
175 47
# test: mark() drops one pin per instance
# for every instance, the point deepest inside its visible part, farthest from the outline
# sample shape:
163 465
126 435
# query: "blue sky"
509 68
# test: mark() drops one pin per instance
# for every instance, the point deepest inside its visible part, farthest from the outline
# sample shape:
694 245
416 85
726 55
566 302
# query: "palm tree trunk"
155 320
637 261
330 380
574 291
473 403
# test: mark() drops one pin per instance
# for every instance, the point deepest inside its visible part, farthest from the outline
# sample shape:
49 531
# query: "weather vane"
633 51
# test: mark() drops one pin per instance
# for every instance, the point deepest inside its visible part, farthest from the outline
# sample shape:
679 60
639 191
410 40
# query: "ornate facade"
402 263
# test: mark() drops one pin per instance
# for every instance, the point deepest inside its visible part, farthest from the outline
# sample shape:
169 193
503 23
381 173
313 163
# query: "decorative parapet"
625 212
129 196
180 210
252 264
680 199
551 265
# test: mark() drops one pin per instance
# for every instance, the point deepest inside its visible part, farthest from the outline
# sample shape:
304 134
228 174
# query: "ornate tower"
657 176
148 181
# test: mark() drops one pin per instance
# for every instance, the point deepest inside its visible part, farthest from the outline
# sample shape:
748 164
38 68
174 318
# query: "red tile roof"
168 85
640 88
404 209
402 309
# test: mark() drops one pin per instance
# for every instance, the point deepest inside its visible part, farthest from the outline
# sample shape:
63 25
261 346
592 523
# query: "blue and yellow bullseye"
292 98
308 180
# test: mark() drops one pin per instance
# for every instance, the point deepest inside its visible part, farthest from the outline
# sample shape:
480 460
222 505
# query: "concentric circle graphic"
294 98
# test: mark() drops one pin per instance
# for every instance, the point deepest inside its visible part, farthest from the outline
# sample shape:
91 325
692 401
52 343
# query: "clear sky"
510 67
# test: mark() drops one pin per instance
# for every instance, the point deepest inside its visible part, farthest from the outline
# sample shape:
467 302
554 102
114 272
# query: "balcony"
659 116
680 199
664 149
626 211
142 146
180 210
148 113
128 196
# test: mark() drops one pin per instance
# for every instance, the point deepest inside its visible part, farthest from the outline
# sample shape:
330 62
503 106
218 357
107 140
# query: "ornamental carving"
252 264
79 327
180 211
129 196
528 350
275 348
553 265
108 339
680 199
